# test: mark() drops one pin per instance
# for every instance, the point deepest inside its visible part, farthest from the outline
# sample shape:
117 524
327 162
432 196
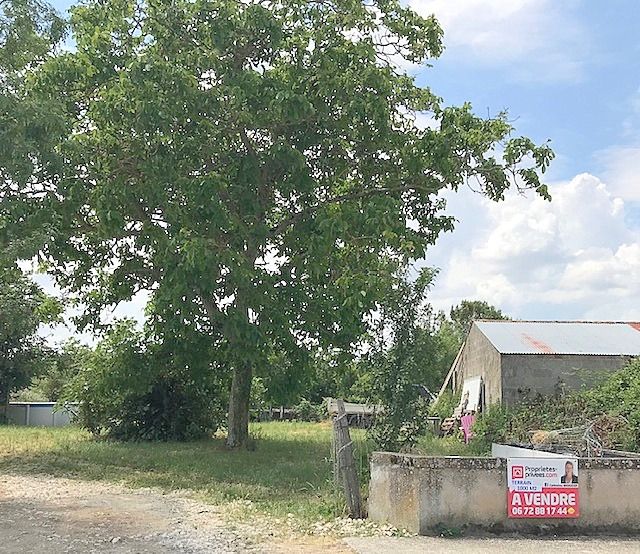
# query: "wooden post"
345 468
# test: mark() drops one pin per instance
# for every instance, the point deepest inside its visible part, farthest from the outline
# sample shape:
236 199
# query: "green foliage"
463 314
134 389
258 400
28 30
252 164
399 359
286 377
62 367
334 374
23 308
445 405
493 425
308 411
447 345
413 347
617 395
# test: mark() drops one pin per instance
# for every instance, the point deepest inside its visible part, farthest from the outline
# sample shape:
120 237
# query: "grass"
289 473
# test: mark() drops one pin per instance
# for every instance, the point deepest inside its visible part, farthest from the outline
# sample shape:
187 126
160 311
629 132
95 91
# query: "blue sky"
573 81
566 71
570 72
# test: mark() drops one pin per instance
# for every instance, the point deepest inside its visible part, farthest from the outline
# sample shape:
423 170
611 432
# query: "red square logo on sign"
517 472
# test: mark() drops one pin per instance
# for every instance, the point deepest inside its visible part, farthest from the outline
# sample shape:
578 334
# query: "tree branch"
296 217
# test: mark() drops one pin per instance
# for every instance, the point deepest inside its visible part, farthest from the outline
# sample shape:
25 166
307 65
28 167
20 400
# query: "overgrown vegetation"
445 405
61 368
291 474
617 396
401 355
136 388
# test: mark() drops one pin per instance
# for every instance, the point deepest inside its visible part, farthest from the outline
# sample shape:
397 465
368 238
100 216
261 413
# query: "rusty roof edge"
580 338
604 322
608 354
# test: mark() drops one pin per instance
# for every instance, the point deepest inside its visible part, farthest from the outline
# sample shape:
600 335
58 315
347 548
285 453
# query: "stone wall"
423 494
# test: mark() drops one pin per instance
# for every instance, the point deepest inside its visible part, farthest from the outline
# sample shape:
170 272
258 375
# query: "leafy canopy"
256 165
464 314
61 368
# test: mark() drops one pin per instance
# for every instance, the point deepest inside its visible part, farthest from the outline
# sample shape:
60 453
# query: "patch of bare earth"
62 515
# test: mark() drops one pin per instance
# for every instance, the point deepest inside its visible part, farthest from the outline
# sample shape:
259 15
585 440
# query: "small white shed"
39 414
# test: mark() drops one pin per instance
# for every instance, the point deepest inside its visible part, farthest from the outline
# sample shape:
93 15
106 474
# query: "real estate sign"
542 488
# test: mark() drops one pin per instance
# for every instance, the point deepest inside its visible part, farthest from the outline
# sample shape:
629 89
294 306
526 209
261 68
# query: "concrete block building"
520 358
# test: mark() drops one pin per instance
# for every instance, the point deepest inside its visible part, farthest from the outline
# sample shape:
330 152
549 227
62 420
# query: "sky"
568 72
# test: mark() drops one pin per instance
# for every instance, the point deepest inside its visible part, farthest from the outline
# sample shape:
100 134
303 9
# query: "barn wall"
479 358
547 374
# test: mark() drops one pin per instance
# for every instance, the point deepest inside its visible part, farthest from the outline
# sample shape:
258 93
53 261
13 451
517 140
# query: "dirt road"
59 515
494 545
64 516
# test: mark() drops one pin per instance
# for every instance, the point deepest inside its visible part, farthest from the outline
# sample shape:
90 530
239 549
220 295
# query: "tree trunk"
238 422
238 417
5 397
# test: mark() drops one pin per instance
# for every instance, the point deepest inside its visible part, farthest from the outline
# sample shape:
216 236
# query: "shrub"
492 426
308 411
403 351
135 389
257 398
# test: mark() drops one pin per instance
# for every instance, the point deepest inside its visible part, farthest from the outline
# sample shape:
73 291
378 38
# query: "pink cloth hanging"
466 422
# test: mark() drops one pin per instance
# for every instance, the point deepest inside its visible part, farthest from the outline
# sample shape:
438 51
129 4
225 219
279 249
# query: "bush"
135 389
308 411
492 426
257 399
403 351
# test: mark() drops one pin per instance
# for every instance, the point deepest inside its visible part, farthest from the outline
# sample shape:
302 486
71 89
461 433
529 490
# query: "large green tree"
256 165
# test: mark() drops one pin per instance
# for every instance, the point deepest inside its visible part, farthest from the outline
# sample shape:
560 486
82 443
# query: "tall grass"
290 472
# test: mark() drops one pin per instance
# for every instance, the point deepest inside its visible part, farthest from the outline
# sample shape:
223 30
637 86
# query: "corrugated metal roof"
563 337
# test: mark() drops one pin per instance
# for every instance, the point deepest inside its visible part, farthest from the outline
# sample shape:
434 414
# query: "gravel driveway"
46 514
61 515
494 545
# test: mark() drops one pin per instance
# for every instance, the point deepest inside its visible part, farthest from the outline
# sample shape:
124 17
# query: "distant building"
522 358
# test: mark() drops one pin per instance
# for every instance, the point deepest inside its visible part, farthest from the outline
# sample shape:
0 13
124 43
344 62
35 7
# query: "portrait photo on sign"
570 476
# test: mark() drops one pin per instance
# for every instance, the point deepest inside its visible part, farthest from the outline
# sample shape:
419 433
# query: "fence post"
345 468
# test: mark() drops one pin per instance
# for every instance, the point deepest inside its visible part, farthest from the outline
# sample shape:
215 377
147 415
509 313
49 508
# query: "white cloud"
622 169
540 40
574 257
